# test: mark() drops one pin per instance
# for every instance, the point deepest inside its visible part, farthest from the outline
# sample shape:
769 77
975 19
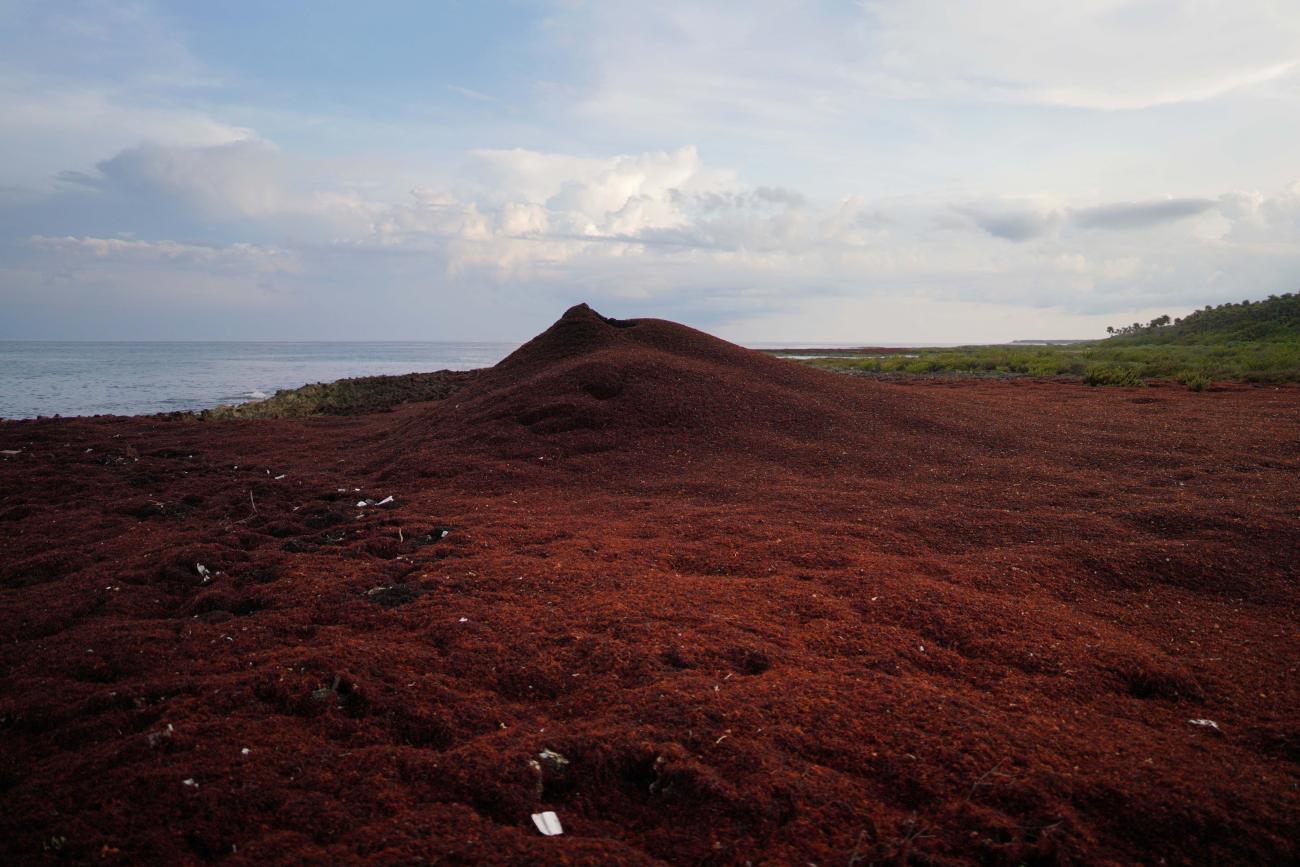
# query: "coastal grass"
1096 363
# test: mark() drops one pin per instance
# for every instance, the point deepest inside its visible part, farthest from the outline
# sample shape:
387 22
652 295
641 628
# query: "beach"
706 605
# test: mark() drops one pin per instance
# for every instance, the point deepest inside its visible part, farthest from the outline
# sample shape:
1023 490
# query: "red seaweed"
705 605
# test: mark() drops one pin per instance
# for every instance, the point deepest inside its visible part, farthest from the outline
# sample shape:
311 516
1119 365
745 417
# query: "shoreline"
322 399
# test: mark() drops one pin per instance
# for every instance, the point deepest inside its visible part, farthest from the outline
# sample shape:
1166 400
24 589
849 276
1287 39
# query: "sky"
876 171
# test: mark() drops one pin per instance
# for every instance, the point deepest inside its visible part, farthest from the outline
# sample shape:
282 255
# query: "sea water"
85 378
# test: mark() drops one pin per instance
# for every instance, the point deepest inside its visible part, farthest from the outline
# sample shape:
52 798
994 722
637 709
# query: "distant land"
1054 342
1250 341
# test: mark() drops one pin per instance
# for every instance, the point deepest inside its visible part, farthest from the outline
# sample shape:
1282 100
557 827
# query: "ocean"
128 378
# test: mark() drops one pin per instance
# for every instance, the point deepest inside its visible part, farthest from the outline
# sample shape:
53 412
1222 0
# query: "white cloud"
246 183
1102 54
49 127
669 230
93 288
468 93
82 79
247 258
523 219
1086 159
721 62
1255 217
236 178
1109 99
601 190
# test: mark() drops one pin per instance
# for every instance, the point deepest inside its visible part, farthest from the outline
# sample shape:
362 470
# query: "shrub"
1045 367
1112 374
1194 380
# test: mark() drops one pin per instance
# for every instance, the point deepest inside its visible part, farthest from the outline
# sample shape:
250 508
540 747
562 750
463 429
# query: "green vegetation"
1275 320
1247 342
347 396
1193 380
1113 374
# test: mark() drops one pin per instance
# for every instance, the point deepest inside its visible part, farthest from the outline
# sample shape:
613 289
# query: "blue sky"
885 170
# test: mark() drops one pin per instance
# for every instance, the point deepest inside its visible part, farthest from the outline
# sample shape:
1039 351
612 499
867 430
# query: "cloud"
48 127
245 189
77 259
779 196
797 69
471 94
249 258
235 178
599 189
666 231
708 160
1096 54
1140 215
83 79
1252 214
1009 221
128 43
666 228
95 288
711 201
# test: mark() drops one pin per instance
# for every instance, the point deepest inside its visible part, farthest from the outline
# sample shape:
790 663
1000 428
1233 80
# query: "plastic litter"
1206 723
548 823
156 738
11 451
552 759
204 572
361 504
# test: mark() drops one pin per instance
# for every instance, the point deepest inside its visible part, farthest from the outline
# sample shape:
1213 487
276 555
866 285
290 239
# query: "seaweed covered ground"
708 606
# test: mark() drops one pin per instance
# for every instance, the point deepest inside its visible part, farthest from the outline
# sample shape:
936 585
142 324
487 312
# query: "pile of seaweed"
636 390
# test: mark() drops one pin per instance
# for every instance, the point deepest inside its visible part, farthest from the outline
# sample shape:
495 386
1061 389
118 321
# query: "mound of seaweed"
590 383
